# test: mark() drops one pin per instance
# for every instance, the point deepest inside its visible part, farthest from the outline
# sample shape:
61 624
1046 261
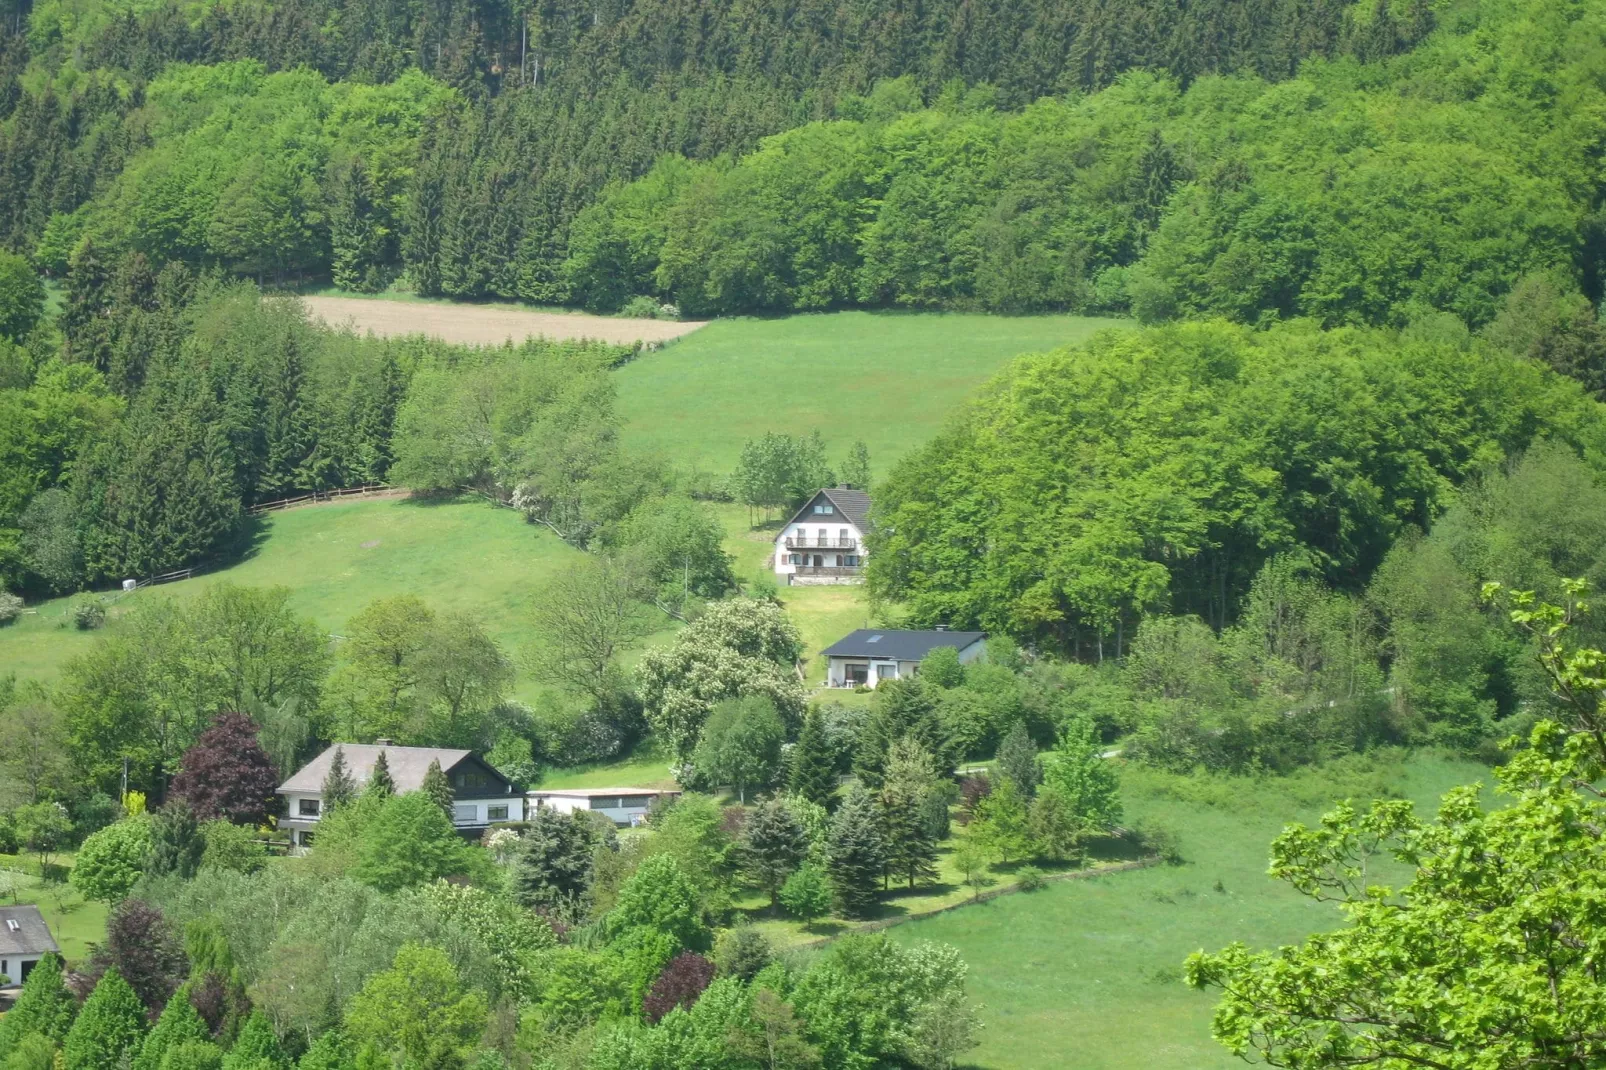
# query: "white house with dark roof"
622 806
24 940
482 796
824 542
872 655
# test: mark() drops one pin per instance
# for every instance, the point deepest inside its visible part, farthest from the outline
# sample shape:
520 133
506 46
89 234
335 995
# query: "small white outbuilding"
622 806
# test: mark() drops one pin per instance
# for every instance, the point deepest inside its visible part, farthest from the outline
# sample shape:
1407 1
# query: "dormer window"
825 507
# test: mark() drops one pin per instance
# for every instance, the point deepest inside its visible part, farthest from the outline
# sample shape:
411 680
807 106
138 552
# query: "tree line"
468 182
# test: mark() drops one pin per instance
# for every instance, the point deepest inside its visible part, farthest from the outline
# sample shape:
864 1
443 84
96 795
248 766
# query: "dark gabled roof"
853 505
407 767
898 644
23 932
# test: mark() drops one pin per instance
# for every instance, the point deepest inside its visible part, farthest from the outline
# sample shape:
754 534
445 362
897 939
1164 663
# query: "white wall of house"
623 809
813 531
302 812
840 672
16 968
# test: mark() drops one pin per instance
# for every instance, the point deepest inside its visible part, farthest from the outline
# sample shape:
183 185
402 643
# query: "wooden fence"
360 491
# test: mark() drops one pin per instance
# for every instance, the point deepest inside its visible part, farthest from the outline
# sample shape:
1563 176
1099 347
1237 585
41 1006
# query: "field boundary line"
985 897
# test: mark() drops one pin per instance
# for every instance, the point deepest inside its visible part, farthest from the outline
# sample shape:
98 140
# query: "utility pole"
122 800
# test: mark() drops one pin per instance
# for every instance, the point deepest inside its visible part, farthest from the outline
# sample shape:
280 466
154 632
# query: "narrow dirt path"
485 324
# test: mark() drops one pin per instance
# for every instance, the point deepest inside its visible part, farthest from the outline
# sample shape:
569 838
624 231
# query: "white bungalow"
482 796
872 655
622 806
824 542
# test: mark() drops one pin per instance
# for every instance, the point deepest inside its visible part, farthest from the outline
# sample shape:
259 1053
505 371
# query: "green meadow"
888 378
1087 973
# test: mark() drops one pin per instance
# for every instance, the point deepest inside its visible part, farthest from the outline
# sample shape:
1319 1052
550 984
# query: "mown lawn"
888 378
1087 973
76 923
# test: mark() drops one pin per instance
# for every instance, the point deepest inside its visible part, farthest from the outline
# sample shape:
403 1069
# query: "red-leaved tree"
227 774
679 985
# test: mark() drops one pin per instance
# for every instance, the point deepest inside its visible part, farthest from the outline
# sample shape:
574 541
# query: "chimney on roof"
844 486
941 627
383 743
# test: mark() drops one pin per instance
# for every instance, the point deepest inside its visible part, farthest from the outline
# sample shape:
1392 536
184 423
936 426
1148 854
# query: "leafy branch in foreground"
1489 955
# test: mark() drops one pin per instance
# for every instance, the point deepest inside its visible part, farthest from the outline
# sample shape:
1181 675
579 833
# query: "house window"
605 802
308 808
827 509
838 560
795 559
464 813
496 813
851 560
471 779
886 671
14 925
636 802
856 675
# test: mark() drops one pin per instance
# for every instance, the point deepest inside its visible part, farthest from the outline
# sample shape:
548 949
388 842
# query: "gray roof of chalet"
852 504
23 932
899 644
407 765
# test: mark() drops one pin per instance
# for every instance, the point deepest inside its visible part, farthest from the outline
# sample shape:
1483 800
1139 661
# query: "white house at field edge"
24 940
622 806
872 655
824 542
482 796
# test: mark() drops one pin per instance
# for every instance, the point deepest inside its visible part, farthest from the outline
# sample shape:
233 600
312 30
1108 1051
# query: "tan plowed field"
485 324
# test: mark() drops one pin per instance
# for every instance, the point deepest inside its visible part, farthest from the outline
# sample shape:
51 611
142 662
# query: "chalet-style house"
622 806
482 796
824 541
871 655
24 940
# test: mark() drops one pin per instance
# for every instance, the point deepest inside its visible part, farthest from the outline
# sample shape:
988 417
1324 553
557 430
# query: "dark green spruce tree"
438 788
176 841
338 787
380 784
857 854
910 852
773 845
813 773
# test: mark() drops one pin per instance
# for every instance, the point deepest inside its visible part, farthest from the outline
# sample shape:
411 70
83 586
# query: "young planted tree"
773 845
813 772
1053 827
1001 823
43 827
1076 769
227 775
806 895
858 854
338 786
438 788
1017 759
110 1028
409 842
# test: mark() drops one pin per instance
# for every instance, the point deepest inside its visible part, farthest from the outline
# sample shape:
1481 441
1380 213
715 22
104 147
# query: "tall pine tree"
857 854
813 773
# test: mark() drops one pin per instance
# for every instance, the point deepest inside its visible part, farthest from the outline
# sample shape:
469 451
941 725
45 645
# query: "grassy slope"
1087 973
465 555
75 922
890 379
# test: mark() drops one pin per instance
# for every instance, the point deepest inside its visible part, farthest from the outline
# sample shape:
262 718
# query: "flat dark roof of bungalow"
899 644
